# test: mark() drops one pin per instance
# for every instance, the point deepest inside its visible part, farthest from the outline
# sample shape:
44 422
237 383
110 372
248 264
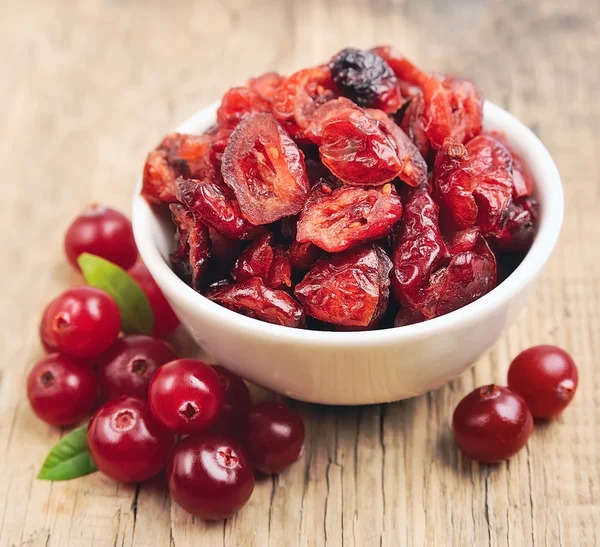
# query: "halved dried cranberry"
352 144
190 259
265 170
491 165
453 184
366 78
298 97
238 103
419 249
177 155
413 168
253 299
401 66
255 261
215 206
453 108
266 84
468 276
336 219
350 288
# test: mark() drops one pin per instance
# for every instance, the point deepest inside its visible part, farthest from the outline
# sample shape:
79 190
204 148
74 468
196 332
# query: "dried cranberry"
453 184
518 226
413 168
253 299
350 288
352 145
419 249
523 183
177 155
337 219
453 108
280 273
303 255
366 78
468 276
491 165
255 261
216 206
401 66
298 97
463 241
238 103
217 146
266 85
190 259
413 124
265 170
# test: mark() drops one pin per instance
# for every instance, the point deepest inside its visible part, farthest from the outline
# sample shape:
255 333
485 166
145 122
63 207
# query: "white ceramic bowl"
350 368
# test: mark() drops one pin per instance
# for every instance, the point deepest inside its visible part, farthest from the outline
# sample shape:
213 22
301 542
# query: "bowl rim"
550 195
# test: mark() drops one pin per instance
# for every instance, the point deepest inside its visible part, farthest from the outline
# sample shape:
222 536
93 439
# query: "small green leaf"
69 458
136 313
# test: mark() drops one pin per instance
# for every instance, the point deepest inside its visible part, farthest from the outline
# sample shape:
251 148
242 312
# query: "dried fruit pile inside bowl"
318 194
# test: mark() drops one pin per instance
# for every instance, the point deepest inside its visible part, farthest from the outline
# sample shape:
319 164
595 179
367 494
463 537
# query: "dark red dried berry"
253 299
255 260
350 288
303 255
238 103
518 226
337 219
523 183
266 85
280 273
265 170
413 124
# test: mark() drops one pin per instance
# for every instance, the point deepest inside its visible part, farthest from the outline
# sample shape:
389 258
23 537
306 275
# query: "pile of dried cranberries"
317 192
106 353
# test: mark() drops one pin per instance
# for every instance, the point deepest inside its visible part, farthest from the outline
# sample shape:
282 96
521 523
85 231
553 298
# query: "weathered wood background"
88 86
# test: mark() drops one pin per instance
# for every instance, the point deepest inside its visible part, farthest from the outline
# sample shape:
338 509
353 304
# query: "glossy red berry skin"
274 437
129 364
491 424
126 442
210 476
82 321
165 320
45 331
103 232
61 389
236 402
546 377
185 396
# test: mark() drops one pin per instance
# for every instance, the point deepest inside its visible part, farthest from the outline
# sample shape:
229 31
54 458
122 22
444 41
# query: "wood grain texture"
89 86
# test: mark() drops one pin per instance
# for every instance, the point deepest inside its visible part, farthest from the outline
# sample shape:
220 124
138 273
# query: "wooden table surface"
89 86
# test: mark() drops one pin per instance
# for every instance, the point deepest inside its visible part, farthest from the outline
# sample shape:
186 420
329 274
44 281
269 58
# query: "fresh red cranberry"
103 232
61 389
210 476
185 396
127 367
82 321
46 335
126 442
274 437
165 320
236 402
546 377
491 424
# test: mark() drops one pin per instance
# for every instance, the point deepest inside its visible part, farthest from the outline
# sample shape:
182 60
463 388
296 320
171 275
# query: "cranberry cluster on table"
316 193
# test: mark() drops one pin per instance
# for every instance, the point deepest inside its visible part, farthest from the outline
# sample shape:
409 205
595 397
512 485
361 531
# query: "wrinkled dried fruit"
238 103
217 146
266 85
190 258
469 276
351 288
177 155
401 66
253 299
413 124
214 205
453 108
280 273
303 255
419 249
298 97
491 165
265 170
413 169
517 230
336 219
352 145
255 261
453 184
463 241
366 78
522 179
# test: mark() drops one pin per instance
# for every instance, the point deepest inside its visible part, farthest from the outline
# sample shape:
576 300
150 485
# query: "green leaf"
69 458
136 313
